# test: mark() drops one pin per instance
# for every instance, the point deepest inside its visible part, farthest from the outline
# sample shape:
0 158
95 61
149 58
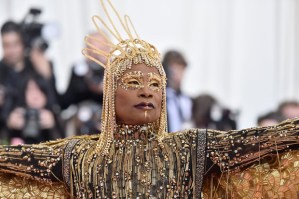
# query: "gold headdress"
122 56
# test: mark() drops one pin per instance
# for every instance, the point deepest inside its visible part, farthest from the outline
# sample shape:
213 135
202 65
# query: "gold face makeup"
135 80
145 114
132 80
136 99
154 82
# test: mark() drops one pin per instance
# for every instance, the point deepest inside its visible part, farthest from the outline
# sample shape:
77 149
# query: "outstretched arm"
42 162
239 149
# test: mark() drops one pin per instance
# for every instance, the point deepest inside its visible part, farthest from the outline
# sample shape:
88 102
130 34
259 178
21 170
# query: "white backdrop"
244 52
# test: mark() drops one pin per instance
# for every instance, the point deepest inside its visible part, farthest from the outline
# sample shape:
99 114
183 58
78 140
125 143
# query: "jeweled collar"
143 132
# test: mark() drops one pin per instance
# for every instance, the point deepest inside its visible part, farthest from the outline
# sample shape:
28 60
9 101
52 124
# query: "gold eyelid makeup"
128 78
138 76
154 78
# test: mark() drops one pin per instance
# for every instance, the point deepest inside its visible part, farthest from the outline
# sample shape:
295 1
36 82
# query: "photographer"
208 113
86 79
18 61
34 116
12 66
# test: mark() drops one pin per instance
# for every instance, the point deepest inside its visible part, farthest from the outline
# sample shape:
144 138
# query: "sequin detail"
200 161
66 160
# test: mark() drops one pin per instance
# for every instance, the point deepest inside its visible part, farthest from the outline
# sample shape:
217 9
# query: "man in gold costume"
135 157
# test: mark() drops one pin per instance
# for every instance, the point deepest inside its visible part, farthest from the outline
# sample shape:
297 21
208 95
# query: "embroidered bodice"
139 165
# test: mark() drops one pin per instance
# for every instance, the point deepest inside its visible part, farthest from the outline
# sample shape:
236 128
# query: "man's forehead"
141 73
143 68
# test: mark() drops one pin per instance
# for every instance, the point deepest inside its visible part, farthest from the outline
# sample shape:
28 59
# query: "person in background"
34 116
207 113
11 64
86 120
135 157
85 93
289 109
18 62
270 119
179 105
86 82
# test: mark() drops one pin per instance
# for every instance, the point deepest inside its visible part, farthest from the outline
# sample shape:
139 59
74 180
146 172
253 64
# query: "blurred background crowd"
34 109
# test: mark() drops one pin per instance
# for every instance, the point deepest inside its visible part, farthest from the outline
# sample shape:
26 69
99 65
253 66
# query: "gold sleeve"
236 150
12 186
41 162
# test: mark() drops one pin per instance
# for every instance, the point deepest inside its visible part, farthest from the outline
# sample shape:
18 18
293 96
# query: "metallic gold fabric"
16 187
239 149
137 165
254 162
250 163
40 162
275 178
32 171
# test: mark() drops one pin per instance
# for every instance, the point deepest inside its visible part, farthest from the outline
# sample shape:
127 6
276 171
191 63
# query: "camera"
35 34
92 73
32 124
223 118
88 118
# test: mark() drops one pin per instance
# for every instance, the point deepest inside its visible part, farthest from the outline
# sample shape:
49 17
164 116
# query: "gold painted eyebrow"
154 81
154 76
132 76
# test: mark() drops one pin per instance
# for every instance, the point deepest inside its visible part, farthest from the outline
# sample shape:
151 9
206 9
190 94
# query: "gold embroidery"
275 178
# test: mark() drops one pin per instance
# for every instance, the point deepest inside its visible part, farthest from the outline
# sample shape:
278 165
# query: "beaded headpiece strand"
129 50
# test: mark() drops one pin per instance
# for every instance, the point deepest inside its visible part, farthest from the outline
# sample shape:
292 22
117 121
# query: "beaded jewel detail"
129 50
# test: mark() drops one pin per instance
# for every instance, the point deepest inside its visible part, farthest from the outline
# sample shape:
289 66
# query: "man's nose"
145 92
